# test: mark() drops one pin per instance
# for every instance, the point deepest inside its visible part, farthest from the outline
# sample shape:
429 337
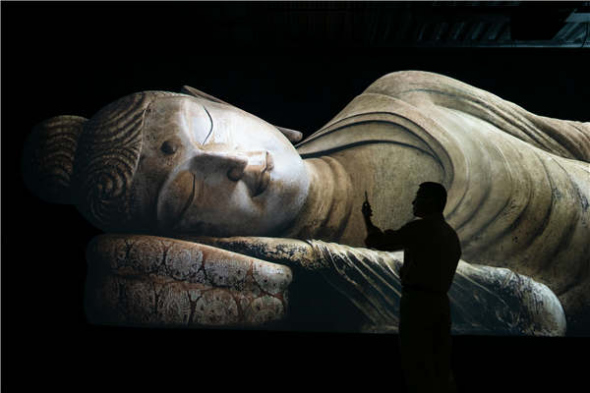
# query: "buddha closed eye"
169 147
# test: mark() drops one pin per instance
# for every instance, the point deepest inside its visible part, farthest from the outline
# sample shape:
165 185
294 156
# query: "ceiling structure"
431 23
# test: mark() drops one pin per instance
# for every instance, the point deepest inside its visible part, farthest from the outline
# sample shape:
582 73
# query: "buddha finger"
290 252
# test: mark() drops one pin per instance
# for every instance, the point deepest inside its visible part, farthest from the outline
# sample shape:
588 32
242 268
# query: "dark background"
74 58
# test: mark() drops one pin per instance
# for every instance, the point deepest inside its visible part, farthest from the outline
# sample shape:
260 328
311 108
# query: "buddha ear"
191 91
292 135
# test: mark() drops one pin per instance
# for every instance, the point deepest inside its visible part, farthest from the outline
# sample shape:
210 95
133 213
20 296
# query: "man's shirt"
431 252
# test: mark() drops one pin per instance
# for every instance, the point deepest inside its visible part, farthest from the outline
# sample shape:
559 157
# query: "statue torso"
514 200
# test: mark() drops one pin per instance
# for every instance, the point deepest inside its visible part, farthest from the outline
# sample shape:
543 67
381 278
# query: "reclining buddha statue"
216 218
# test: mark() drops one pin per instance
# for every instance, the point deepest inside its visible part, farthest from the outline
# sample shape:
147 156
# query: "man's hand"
367 211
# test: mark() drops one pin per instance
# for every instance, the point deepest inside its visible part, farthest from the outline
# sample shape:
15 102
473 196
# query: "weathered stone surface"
179 283
188 164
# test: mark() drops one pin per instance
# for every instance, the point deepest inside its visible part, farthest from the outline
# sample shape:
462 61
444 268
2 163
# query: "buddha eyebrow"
210 129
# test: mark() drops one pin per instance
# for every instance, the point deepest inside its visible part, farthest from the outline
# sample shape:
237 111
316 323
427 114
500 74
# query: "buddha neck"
327 209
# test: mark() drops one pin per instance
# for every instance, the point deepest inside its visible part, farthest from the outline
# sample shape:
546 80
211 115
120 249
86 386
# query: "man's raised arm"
385 241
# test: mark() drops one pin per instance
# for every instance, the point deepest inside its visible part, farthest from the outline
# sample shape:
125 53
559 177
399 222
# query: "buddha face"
212 169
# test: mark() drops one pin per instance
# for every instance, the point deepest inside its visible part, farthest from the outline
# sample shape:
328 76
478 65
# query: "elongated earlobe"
292 135
191 91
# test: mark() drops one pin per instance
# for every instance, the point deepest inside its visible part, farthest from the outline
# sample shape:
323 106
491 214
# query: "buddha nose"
232 164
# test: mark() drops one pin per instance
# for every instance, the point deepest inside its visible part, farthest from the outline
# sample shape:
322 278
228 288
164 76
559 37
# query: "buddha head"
160 162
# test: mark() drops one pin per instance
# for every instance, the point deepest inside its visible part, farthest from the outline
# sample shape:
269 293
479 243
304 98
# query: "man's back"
431 254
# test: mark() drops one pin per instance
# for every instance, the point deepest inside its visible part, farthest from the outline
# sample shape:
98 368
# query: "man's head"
431 198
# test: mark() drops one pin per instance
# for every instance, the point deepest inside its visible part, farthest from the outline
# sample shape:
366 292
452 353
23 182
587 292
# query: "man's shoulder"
415 223
412 226
426 224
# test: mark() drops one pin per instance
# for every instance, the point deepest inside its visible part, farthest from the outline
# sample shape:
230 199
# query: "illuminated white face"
213 169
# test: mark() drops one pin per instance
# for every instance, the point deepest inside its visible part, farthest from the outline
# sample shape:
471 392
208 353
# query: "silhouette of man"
431 254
